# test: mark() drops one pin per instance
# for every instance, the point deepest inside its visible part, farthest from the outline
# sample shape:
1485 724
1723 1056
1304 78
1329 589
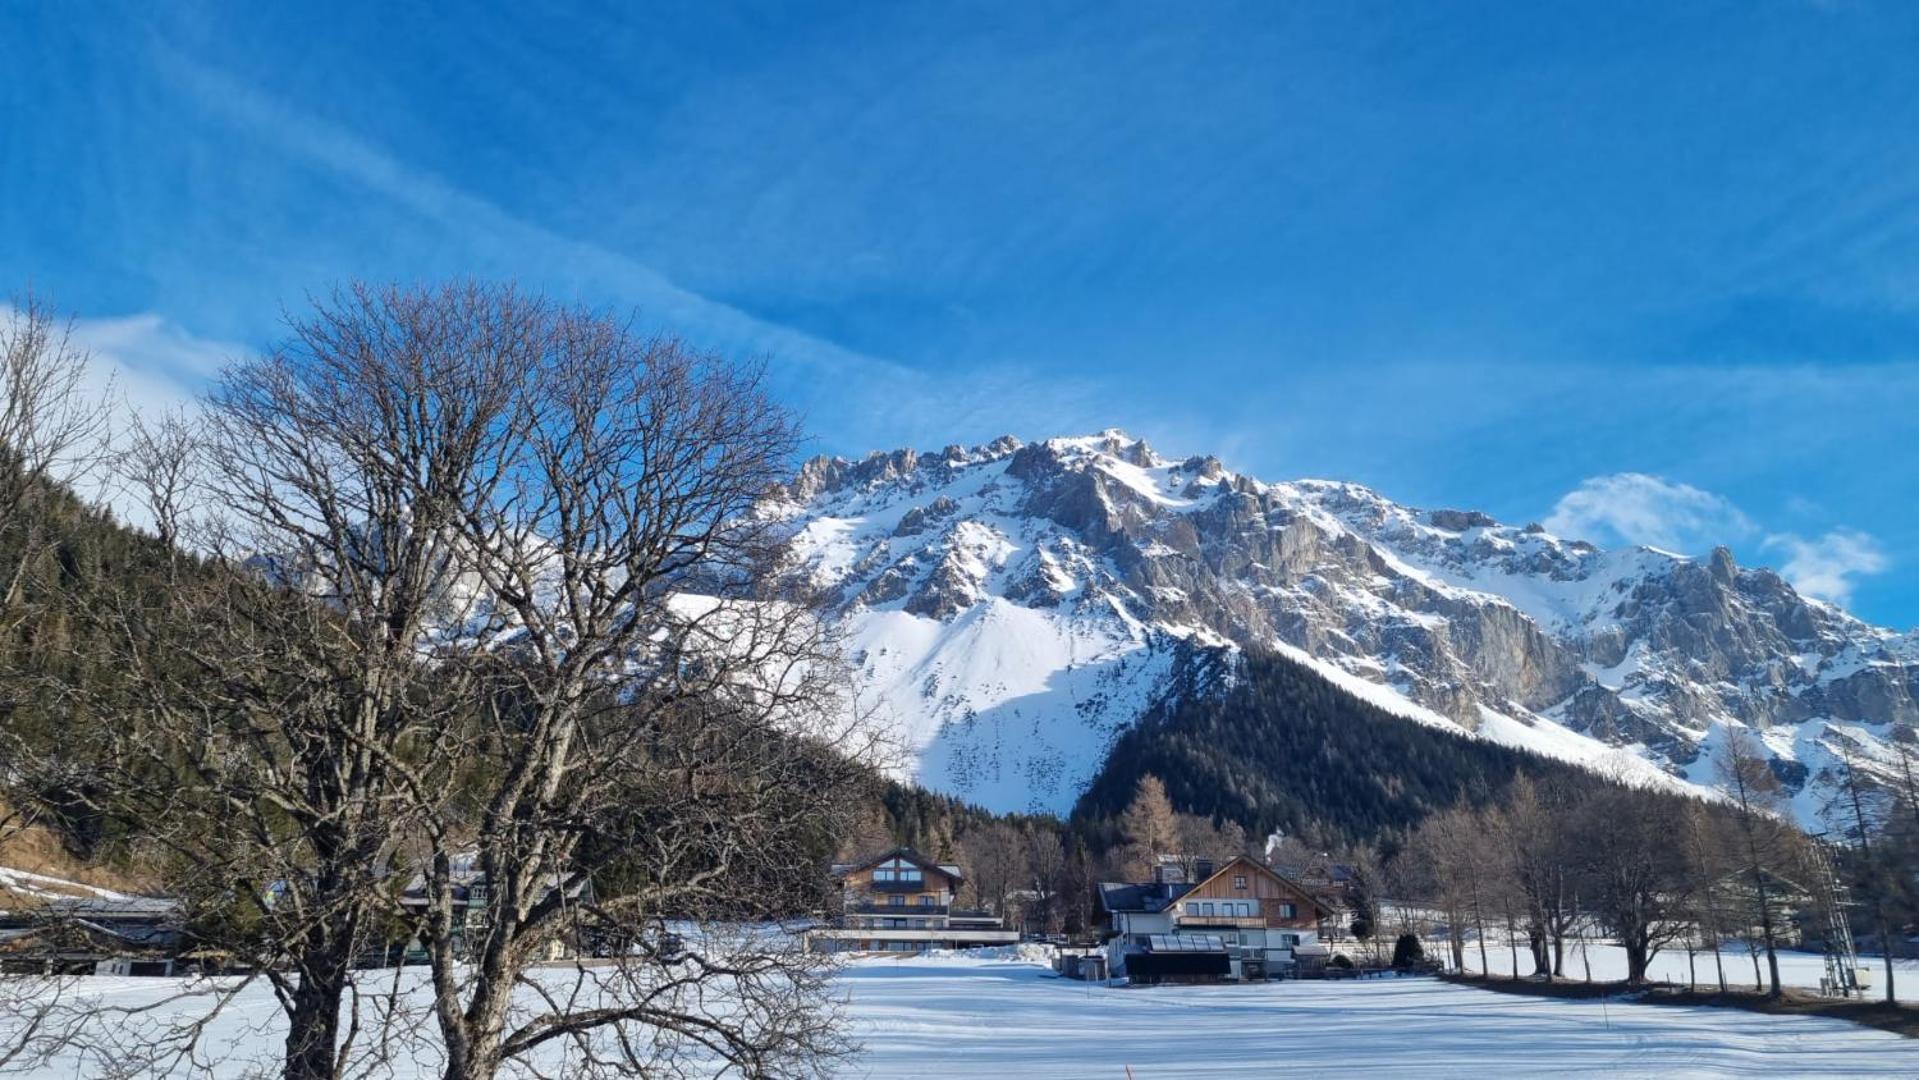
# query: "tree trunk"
1772 948
485 1022
1512 945
1885 946
313 1024
1636 959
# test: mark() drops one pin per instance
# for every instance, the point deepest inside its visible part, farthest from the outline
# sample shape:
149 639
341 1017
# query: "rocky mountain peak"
1098 557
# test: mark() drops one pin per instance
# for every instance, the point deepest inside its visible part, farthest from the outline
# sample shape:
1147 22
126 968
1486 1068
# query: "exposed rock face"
1524 636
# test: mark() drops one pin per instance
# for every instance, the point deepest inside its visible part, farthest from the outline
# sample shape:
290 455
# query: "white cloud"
144 362
1824 567
137 364
153 364
1634 508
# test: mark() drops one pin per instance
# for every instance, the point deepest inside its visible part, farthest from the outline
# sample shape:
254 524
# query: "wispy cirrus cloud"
1637 508
870 400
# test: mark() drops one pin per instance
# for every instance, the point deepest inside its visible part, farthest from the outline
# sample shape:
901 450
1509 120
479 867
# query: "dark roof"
907 853
1146 897
1150 897
99 909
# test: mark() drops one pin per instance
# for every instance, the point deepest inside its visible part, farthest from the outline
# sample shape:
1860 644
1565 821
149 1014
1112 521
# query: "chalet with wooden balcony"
901 901
1240 920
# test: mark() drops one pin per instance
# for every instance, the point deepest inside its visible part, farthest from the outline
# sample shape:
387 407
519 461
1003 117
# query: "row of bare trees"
472 589
1655 872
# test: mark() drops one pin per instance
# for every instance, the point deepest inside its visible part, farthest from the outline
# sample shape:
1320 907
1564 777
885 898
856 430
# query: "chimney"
1167 871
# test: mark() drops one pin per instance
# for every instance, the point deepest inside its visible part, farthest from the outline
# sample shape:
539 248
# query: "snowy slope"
1014 605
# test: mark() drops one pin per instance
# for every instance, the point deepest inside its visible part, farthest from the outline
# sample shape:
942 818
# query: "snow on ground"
959 1017
1800 969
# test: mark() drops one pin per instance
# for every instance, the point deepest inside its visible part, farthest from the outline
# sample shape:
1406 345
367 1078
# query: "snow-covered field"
962 1016
972 1018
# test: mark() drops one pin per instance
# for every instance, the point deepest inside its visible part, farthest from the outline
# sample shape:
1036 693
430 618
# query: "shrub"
1408 951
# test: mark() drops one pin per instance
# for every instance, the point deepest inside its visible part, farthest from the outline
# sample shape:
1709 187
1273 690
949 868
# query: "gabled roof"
1261 868
907 853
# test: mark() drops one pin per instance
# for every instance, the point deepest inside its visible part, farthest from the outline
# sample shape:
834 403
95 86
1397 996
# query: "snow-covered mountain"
1012 606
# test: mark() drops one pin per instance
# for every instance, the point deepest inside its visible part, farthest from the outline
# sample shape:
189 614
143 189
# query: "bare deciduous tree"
1046 868
1539 867
52 433
492 614
994 856
282 697
1703 844
652 728
1766 843
1448 852
1860 809
52 430
1635 877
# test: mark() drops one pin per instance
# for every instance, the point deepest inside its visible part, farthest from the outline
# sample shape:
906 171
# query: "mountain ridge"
1014 606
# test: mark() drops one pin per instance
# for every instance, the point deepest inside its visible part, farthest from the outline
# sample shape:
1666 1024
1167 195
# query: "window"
1206 909
1287 911
896 900
1239 881
926 901
898 871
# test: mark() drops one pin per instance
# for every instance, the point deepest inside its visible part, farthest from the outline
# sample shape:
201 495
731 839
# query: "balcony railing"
916 885
1236 921
897 909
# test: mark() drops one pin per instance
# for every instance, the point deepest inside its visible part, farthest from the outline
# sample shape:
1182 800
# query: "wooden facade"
1276 902
900 901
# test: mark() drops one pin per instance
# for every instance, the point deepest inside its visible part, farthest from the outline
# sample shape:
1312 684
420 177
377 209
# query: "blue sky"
1650 272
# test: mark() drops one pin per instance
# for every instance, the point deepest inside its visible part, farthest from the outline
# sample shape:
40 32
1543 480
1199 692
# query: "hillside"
1279 747
1014 608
